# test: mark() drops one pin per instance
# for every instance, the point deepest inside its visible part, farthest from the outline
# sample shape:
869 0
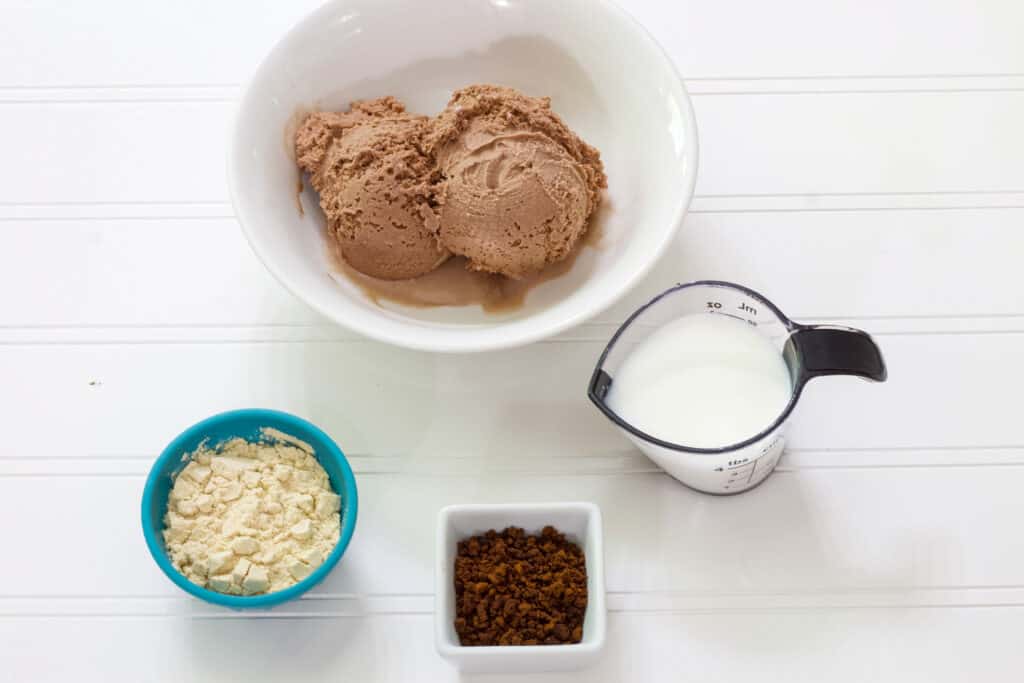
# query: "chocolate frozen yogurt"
519 185
377 186
496 179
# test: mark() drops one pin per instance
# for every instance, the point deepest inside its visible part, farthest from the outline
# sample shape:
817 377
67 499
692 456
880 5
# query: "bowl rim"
289 424
473 338
454 650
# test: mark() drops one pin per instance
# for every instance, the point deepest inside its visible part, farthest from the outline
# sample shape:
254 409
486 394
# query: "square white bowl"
581 524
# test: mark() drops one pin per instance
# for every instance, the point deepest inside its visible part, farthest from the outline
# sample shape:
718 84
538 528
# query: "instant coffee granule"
515 589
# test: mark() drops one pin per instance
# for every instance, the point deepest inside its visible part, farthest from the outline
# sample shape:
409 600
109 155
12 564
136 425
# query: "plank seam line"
362 614
822 592
848 209
841 77
698 196
781 92
696 210
782 470
355 340
598 324
772 77
228 92
624 454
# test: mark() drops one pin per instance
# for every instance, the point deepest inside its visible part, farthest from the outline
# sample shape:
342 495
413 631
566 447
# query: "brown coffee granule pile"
514 589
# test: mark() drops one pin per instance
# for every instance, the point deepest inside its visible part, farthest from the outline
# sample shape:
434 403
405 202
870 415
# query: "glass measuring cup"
809 351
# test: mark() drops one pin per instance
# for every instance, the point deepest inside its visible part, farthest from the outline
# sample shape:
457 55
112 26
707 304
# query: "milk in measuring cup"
703 381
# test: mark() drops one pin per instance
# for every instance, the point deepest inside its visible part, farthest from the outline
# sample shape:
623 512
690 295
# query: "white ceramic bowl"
581 523
606 76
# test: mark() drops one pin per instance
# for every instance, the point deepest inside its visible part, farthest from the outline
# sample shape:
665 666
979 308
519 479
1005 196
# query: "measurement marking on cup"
747 308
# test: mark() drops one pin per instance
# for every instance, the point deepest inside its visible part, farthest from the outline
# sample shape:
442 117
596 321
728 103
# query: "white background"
861 162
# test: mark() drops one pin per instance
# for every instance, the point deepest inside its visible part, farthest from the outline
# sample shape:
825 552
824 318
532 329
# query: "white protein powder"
251 517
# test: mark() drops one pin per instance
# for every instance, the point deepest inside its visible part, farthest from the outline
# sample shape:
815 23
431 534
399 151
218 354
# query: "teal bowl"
245 424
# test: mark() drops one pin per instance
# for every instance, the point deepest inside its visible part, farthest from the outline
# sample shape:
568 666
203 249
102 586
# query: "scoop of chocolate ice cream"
377 186
520 186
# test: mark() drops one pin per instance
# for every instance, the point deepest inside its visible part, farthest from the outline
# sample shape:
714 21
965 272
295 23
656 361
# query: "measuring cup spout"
820 350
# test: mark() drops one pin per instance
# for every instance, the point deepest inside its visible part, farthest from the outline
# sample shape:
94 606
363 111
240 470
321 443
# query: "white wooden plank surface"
922 645
828 143
956 390
856 261
807 538
860 164
725 39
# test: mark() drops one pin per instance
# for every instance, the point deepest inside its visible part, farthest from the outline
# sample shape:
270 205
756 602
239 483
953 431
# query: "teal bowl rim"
174 451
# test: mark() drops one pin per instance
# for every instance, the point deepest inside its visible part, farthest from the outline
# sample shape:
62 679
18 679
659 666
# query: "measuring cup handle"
830 350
